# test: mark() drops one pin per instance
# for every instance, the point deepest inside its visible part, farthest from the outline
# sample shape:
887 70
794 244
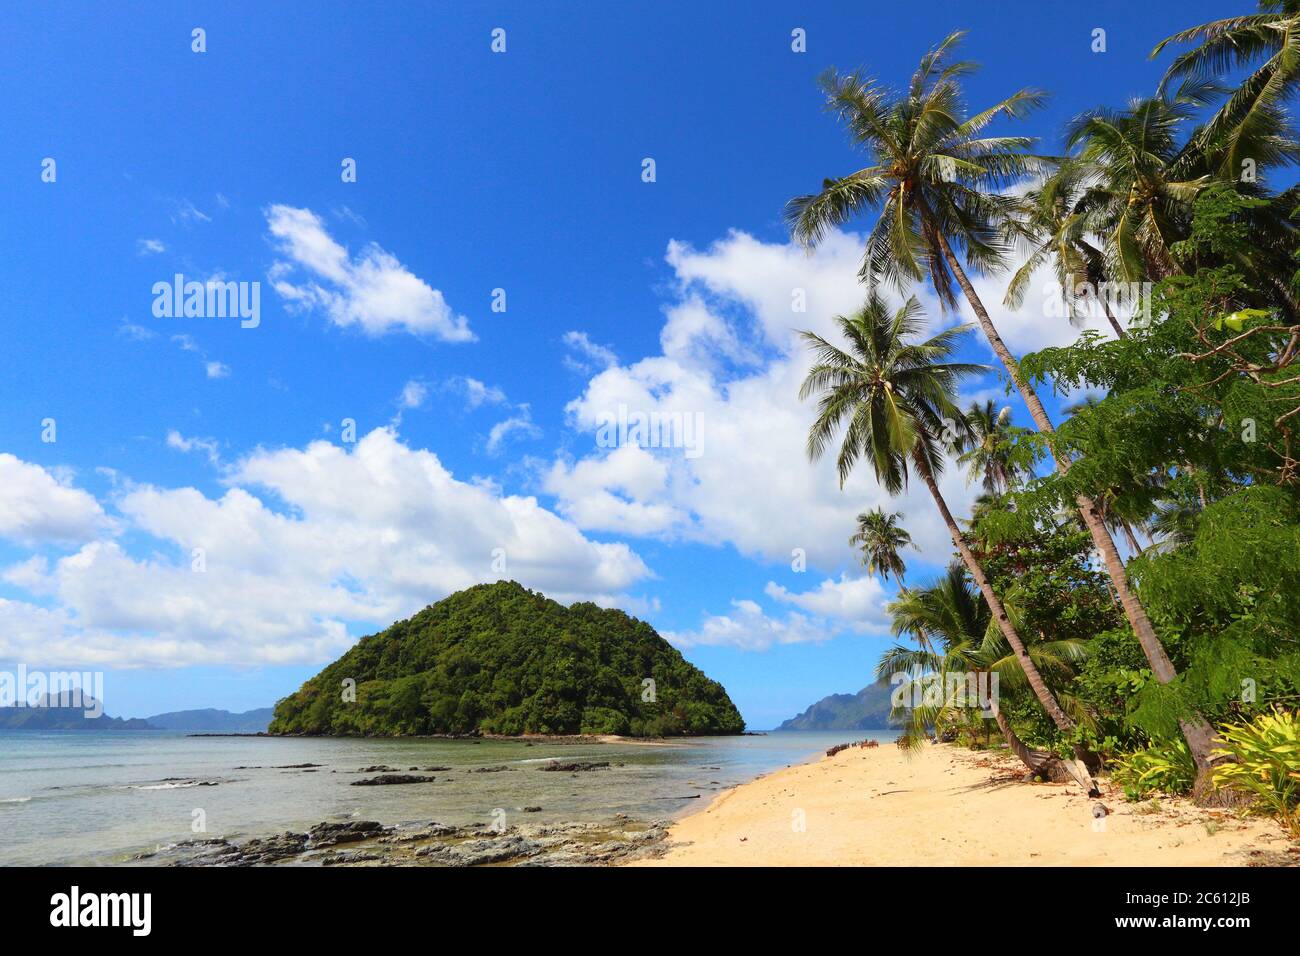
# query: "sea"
106 798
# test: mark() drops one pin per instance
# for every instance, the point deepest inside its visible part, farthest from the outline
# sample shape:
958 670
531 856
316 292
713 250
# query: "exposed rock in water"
576 765
499 769
436 844
378 768
391 779
328 834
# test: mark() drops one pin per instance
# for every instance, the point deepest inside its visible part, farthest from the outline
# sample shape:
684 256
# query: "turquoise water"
101 798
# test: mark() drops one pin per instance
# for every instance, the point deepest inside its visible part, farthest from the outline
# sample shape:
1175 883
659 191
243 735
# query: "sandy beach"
948 806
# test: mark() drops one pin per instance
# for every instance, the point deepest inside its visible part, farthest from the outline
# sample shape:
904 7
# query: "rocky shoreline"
370 843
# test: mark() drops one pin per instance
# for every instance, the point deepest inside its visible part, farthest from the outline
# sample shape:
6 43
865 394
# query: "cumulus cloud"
625 492
747 628
750 485
150 247
36 507
857 603
305 548
373 290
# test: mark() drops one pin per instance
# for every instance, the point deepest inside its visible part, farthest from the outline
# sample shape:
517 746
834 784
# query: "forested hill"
868 709
500 659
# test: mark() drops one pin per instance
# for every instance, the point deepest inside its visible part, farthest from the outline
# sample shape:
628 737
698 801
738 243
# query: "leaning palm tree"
951 625
893 398
1055 222
987 454
1268 40
880 539
937 182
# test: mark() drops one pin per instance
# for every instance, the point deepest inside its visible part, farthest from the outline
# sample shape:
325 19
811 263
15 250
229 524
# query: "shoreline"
953 807
525 738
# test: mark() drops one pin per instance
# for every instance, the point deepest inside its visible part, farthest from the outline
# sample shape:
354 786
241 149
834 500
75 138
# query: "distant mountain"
500 659
868 709
212 721
65 718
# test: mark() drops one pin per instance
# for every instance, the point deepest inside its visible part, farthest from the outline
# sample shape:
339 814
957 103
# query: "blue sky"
476 171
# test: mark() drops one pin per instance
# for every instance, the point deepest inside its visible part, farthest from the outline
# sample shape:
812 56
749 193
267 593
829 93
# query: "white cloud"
476 393
751 485
37 507
413 394
208 446
216 369
368 535
747 628
625 492
150 247
518 425
134 332
586 356
1039 323
185 212
373 290
859 603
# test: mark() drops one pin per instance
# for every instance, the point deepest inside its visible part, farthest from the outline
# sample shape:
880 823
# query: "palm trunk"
1110 317
1015 743
1035 679
1201 738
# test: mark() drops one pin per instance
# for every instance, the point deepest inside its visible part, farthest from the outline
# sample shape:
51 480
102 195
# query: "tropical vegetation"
1173 662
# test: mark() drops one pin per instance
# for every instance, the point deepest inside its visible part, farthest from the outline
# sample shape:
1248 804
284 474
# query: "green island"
500 659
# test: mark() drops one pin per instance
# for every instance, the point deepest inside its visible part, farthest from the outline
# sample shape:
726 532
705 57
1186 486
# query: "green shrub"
1266 752
1164 767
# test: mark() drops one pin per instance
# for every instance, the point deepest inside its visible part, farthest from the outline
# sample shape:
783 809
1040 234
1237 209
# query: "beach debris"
861 743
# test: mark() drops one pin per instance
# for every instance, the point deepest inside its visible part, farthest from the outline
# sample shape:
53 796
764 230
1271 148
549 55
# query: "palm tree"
894 399
1271 39
953 629
1055 221
936 180
987 454
1175 522
1140 177
880 539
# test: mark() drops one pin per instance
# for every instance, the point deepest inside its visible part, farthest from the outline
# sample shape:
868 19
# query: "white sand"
949 806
